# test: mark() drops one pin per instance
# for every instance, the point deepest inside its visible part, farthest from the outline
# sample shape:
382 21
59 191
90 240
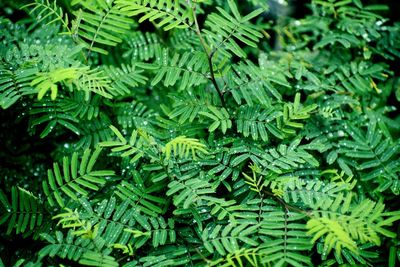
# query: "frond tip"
167 14
81 78
227 30
344 226
182 147
48 81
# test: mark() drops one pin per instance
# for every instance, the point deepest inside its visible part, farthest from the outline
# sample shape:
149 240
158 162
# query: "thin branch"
209 56
97 32
221 96
285 205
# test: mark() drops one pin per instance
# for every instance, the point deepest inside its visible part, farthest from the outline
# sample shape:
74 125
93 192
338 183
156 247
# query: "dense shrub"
198 133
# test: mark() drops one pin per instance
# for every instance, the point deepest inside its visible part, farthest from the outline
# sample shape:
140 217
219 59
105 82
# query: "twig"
209 56
285 205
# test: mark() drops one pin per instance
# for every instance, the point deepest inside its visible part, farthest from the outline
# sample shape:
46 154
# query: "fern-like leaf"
227 239
48 81
95 131
286 157
254 84
226 30
287 238
292 113
343 224
220 117
167 14
183 147
52 114
189 103
24 212
44 10
141 196
83 78
375 155
161 233
15 84
133 115
190 69
250 257
135 147
124 78
101 23
142 46
64 247
259 122
74 182
189 191
91 258
79 107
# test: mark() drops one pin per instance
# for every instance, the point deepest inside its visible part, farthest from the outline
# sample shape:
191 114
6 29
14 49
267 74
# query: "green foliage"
45 10
24 212
135 147
74 181
167 14
226 30
199 133
100 23
363 222
14 85
289 238
47 81
220 118
192 67
182 147
255 84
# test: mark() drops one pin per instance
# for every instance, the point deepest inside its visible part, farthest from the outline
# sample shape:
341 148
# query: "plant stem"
285 205
209 57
